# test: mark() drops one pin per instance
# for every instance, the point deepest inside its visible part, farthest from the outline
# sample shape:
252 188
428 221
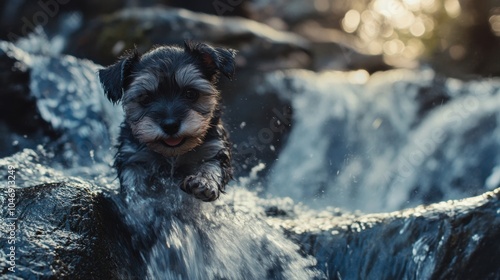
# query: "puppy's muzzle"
171 126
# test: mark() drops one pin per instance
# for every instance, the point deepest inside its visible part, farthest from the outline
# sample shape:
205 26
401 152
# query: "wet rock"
217 7
55 101
260 47
448 240
295 11
19 18
58 233
65 226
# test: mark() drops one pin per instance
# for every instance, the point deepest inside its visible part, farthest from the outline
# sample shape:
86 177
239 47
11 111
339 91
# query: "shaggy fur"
172 129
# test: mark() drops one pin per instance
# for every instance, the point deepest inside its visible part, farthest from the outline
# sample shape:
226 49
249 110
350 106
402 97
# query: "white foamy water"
377 146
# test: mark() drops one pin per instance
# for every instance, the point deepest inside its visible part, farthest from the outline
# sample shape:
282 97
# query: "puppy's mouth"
173 142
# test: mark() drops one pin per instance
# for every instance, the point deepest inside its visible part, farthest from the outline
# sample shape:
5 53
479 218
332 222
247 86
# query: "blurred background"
457 37
331 99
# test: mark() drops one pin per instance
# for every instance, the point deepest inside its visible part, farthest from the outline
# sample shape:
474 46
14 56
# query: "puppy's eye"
146 100
191 94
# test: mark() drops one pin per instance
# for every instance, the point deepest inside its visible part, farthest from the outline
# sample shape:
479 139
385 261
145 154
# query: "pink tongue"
173 141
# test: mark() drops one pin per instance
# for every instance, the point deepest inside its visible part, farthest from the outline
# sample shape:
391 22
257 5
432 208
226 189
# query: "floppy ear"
114 77
214 60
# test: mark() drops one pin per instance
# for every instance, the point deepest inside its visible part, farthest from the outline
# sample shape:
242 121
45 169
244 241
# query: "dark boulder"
448 240
20 18
59 234
259 46
58 231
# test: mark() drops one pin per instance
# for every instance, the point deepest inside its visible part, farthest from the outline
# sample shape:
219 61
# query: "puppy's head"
169 94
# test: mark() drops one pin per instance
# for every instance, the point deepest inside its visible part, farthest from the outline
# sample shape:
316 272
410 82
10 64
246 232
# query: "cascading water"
381 143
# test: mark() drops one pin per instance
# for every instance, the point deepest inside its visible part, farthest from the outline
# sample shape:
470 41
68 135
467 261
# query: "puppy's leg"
207 183
210 177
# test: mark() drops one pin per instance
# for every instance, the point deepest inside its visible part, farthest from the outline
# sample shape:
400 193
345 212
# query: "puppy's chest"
155 167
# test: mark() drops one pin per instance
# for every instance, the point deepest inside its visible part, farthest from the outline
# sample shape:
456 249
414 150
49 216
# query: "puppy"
172 130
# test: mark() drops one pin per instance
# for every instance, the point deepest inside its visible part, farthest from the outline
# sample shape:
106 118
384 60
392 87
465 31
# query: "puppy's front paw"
201 187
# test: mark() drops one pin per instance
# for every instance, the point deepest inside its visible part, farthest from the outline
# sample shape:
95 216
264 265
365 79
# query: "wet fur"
156 88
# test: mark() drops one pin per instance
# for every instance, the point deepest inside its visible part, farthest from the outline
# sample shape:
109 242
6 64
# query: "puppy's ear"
214 60
114 78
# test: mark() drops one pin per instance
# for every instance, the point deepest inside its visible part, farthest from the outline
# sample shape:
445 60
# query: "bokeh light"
495 23
351 21
402 29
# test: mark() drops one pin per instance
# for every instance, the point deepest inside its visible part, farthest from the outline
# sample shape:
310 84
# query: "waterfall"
381 143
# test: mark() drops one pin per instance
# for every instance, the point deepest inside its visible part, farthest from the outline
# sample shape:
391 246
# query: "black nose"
170 126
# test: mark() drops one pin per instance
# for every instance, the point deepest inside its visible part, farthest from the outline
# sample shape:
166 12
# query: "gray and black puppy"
172 128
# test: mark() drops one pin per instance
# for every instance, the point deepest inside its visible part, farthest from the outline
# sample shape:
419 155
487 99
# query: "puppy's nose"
171 126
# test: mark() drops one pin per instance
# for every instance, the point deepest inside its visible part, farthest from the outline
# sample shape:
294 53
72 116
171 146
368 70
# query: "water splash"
180 237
